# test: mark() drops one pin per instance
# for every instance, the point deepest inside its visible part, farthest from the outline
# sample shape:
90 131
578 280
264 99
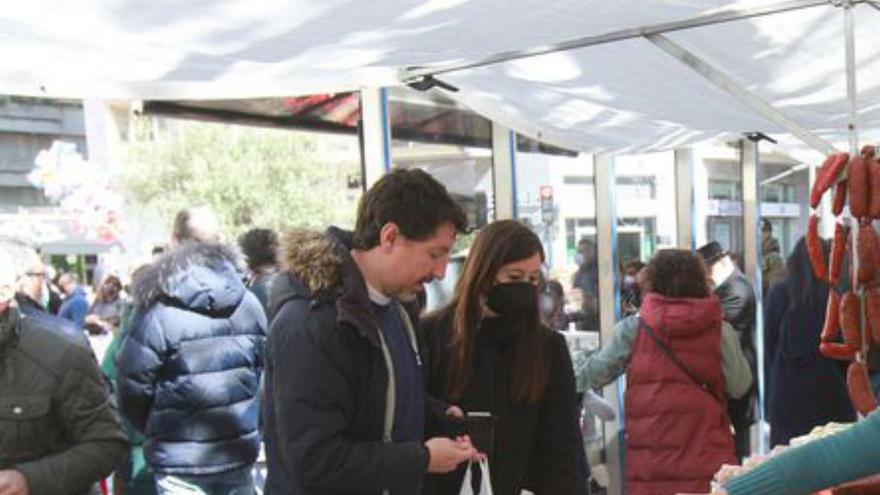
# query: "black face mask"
513 300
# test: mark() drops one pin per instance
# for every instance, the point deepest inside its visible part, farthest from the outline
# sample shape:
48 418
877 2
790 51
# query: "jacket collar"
10 323
320 268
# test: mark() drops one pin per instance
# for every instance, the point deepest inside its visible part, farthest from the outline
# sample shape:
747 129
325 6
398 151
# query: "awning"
623 95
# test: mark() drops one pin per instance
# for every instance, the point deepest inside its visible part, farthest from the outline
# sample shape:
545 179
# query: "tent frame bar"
791 171
731 87
410 74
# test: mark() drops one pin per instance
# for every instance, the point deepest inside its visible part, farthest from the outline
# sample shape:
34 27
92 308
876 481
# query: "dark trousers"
741 417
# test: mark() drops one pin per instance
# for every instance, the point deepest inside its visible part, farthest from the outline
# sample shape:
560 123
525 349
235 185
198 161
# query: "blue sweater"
75 307
847 456
409 390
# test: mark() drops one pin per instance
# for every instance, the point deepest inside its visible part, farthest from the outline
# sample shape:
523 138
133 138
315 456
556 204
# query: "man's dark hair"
260 247
413 200
766 226
196 224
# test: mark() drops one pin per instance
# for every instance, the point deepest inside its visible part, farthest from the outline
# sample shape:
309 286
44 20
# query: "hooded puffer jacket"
677 432
189 371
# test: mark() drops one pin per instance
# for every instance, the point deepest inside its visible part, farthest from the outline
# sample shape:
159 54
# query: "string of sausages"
855 182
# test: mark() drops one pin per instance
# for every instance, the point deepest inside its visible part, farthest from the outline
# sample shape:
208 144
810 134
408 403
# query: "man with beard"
345 401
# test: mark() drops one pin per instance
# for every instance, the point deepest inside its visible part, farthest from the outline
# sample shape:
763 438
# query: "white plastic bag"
485 481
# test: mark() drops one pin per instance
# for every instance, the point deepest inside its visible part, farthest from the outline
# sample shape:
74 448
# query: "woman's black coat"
536 444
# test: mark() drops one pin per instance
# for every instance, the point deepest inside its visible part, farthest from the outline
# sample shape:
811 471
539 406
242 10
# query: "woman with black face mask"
487 352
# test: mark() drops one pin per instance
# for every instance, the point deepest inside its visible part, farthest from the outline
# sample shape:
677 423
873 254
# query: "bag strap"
665 348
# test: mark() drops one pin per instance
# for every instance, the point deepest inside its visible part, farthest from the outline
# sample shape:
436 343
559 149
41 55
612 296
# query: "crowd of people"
320 355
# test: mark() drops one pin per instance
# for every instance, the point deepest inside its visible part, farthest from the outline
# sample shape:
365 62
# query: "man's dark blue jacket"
329 409
189 370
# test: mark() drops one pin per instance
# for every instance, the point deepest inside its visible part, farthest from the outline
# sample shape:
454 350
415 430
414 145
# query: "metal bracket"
731 87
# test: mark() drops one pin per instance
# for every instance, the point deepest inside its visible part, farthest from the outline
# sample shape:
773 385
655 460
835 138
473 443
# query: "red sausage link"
831 328
859 192
851 320
827 176
837 351
869 250
839 200
874 180
838 249
859 387
814 249
872 303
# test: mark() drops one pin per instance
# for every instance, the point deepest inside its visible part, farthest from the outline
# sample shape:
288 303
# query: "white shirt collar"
377 297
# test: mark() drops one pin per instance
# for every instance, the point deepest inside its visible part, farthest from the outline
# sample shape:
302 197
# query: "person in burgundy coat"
682 362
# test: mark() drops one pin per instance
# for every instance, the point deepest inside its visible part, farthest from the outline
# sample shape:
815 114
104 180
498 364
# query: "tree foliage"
249 176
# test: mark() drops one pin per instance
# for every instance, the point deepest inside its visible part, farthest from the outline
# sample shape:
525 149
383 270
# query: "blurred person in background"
630 293
134 477
682 361
106 312
157 252
59 430
189 368
738 304
487 351
805 389
31 288
260 248
75 306
53 296
586 279
552 306
772 263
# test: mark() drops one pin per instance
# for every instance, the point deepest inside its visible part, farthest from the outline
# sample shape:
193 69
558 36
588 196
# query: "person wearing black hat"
738 302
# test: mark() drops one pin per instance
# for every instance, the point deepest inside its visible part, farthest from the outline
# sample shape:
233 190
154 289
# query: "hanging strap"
665 348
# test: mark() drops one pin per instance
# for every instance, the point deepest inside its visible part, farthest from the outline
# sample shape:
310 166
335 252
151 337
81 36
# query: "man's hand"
446 454
12 482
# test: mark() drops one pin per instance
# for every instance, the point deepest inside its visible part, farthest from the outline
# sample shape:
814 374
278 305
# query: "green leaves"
250 176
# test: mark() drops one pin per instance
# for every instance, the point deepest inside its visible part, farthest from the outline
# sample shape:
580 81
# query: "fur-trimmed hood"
314 264
199 276
315 258
319 268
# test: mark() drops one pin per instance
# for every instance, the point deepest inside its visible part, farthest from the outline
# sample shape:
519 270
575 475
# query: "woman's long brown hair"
498 244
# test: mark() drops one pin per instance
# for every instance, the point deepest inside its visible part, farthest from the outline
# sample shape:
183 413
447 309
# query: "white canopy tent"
613 77
619 96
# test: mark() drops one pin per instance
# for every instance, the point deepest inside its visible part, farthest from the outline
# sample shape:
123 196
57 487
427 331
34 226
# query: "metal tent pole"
609 307
504 171
727 15
731 87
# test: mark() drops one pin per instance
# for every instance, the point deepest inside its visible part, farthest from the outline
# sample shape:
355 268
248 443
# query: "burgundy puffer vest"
677 434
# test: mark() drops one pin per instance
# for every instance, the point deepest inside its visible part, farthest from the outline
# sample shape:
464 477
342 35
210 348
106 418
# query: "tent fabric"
624 96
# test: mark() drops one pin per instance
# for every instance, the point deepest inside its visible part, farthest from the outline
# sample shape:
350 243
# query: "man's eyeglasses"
36 274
